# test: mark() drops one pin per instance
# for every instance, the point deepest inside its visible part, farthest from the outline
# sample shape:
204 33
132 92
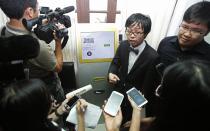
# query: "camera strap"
65 40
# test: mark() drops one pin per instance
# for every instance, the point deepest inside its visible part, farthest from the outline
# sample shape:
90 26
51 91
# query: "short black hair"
24 105
14 9
185 92
198 13
139 18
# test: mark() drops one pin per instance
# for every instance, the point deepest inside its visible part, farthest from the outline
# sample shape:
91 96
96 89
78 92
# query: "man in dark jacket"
189 43
134 61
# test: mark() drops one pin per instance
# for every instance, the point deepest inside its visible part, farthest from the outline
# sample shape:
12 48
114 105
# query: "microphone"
67 9
79 91
20 47
59 12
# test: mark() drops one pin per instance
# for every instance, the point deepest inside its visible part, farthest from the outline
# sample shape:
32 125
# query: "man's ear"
29 13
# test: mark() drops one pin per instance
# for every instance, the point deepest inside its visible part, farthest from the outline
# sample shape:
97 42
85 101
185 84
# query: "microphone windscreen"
20 47
68 9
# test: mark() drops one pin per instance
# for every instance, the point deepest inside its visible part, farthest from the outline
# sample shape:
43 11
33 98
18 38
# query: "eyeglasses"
193 31
133 33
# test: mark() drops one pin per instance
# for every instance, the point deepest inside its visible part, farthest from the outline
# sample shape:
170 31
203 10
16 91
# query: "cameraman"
49 62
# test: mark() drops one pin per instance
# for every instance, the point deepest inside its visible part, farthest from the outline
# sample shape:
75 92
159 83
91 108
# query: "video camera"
45 31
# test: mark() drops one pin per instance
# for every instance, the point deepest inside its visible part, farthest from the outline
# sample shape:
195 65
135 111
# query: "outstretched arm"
81 107
112 123
58 50
136 116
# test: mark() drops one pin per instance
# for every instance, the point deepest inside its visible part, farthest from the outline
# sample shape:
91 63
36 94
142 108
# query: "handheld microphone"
67 9
79 91
59 12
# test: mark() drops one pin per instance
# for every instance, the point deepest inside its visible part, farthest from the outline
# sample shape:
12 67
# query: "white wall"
3 18
181 6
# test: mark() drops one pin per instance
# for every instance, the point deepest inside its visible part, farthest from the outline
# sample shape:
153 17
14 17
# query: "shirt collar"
140 47
16 31
197 48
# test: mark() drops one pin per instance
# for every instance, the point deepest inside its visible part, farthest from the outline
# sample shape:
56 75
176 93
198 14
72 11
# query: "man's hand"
133 104
59 26
113 78
81 107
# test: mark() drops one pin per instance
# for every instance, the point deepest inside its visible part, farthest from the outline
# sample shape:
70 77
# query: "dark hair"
24 106
185 97
198 13
139 19
15 8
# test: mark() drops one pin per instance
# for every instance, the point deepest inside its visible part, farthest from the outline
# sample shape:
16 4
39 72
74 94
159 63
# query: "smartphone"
113 104
137 97
73 101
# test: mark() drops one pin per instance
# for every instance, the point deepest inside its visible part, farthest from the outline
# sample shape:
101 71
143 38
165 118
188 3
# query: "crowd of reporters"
37 102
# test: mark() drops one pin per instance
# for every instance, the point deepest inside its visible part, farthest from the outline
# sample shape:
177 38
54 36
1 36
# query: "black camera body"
45 31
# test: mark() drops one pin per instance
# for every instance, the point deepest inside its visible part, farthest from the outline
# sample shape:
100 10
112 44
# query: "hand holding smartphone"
137 97
72 101
113 104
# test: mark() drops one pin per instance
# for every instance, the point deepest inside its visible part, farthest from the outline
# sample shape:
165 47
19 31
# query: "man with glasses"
189 43
134 61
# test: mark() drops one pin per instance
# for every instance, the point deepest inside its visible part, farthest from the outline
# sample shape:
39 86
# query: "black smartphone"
73 101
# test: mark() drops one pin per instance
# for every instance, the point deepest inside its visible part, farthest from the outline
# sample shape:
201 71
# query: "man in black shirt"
189 43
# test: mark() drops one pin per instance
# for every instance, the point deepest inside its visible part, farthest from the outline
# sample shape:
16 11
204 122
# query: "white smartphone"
113 104
137 97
